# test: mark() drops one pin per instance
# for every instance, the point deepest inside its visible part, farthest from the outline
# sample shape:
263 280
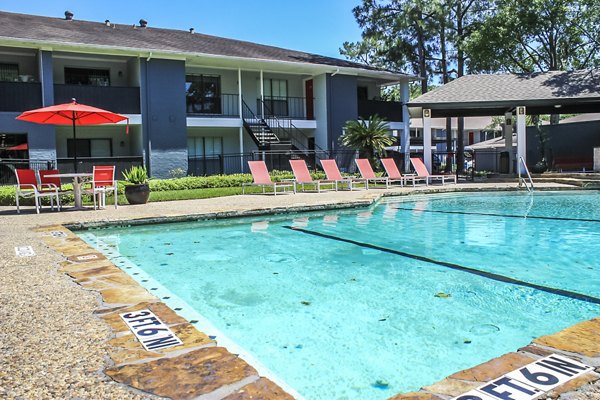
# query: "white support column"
521 138
508 141
427 139
241 117
405 139
262 95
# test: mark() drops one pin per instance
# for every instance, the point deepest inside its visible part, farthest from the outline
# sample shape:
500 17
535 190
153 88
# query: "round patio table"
78 180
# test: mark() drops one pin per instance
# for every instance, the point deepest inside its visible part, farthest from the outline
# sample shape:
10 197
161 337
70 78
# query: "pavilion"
512 95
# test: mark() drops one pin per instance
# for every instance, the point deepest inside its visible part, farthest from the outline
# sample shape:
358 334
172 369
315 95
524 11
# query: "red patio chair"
333 174
366 171
103 182
261 177
27 187
393 173
422 172
302 175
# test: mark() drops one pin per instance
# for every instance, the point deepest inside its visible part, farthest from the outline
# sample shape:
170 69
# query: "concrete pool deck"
61 335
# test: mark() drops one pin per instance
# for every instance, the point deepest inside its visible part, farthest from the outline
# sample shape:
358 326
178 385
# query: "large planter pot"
137 194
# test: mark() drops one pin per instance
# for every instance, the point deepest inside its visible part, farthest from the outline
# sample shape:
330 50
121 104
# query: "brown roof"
74 32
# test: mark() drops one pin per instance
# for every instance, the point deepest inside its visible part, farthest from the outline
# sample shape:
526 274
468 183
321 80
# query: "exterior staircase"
261 133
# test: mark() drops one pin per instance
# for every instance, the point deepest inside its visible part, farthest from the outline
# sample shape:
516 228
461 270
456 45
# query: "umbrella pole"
74 144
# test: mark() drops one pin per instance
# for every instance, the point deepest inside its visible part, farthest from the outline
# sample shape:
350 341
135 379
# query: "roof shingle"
57 30
515 87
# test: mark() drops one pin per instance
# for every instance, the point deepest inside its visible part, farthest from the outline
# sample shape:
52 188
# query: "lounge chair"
422 172
366 171
302 175
261 177
27 186
394 174
333 174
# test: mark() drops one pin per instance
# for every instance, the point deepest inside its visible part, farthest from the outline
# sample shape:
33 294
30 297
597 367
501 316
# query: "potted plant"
137 190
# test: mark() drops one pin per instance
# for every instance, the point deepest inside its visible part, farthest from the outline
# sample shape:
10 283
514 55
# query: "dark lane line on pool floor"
489 275
497 215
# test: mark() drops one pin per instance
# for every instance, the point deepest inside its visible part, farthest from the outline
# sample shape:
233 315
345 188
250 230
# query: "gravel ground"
52 346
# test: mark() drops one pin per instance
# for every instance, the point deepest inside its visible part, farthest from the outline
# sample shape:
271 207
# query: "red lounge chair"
423 173
303 177
27 186
333 174
366 171
394 174
261 177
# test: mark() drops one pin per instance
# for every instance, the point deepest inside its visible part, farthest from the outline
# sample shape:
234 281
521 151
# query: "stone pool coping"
175 373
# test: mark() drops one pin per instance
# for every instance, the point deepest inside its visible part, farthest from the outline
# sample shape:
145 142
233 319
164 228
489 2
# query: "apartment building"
196 103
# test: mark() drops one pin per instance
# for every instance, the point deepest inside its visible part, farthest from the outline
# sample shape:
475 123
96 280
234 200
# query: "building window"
276 97
205 146
87 76
362 92
203 94
90 148
9 72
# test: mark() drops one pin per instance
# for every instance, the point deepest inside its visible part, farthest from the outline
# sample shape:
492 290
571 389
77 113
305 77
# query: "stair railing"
287 129
249 119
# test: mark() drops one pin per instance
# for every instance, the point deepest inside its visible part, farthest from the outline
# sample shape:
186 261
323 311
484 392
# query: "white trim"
200 122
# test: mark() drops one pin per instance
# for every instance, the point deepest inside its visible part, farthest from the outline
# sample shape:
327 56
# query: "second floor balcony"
124 100
20 96
390 110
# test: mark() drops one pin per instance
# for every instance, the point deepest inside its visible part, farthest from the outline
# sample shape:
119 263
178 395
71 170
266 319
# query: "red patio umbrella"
72 114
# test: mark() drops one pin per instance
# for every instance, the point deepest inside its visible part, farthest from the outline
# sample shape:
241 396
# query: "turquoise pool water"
367 303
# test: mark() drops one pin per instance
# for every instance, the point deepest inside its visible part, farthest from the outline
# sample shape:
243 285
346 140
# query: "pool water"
367 303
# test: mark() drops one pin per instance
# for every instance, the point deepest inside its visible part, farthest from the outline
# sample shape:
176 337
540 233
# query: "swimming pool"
367 303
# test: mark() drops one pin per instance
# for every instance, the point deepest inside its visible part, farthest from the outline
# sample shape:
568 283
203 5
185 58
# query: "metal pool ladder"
528 183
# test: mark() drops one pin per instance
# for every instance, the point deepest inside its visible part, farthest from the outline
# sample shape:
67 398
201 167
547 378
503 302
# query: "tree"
370 137
425 38
402 30
537 35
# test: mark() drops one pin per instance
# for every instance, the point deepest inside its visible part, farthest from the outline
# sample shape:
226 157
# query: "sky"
315 26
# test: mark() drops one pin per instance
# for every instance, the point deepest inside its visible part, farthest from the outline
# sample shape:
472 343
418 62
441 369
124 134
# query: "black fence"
20 96
219 164
124 100
224 105
8 167
283 107
86 164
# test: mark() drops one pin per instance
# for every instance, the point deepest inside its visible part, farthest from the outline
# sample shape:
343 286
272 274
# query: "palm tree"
370 137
